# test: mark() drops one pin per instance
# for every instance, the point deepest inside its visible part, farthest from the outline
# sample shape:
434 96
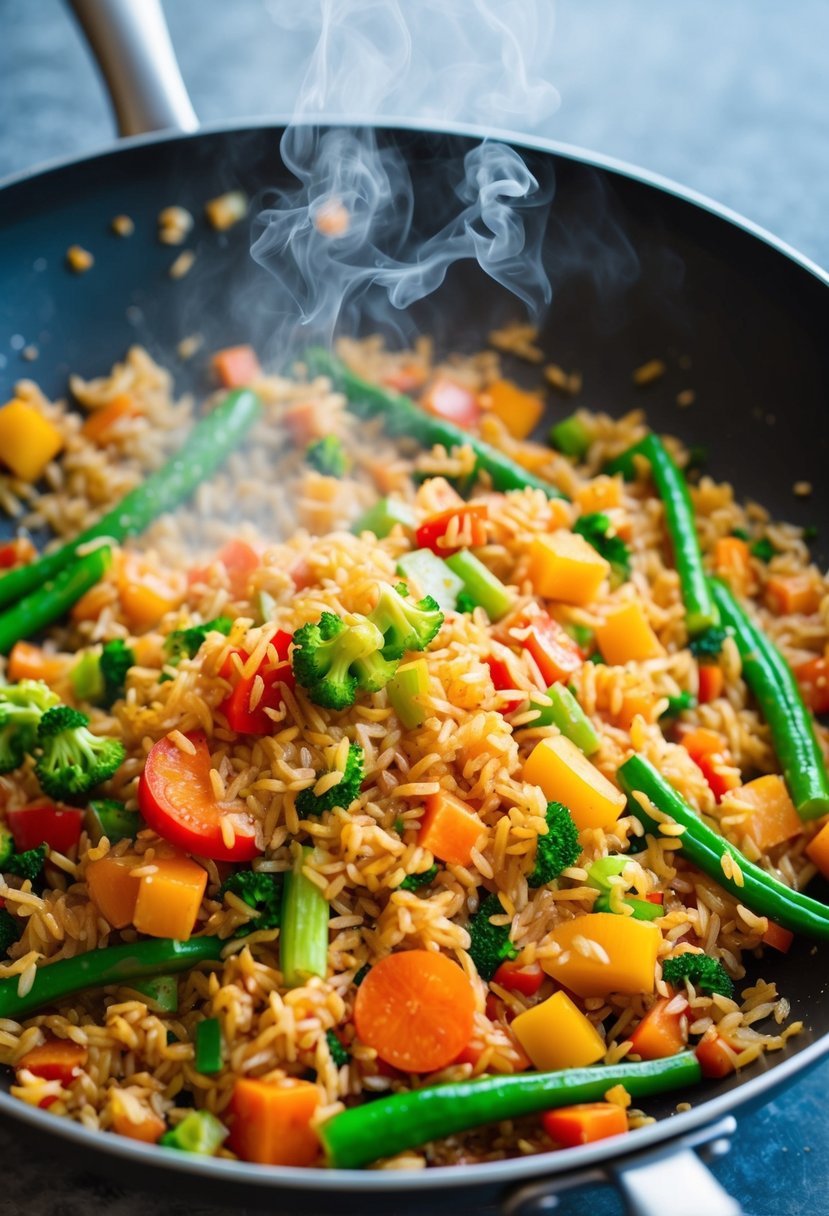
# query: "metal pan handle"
131 42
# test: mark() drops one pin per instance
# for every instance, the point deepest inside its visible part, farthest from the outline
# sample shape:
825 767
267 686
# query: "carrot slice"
416 1009
792 593
661 1032
585 1123
270 1122
236 366
98 426
55 1060
449 828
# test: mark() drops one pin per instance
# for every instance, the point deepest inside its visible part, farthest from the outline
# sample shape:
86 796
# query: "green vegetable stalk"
483 588
303 942
61 588
565 712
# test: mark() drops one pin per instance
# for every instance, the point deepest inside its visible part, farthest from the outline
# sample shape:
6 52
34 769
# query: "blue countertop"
729 99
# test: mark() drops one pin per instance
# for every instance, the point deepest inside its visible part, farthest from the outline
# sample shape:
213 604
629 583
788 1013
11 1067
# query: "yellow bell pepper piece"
626 636
112 887
519 410
145 593
28 441
603 493
565 567
566 775
169 899
556 1034
626 956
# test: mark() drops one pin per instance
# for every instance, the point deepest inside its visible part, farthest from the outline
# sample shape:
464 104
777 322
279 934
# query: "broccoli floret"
338 1053
343 793
328 456
115 661
186 643
763 548
413 882
73 760
597 530
558 849
709 643
705 973
490 944
22 706
465 603
404 624
28 864
679 703
259 890
9 931
332 660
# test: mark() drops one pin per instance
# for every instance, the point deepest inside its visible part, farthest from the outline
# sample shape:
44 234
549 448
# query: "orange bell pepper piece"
585 1123
98 426
661 1032
450 828
792 593
270 1122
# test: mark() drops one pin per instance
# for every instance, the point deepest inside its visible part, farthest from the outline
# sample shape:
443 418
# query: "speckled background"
729 98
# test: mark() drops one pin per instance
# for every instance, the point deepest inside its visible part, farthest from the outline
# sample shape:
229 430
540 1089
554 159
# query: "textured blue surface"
730 99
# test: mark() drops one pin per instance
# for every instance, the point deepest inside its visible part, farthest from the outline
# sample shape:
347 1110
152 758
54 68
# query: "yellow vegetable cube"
603 493
28 441
626 636
566 775
603 953
519 410
565 567
556 1034
169 899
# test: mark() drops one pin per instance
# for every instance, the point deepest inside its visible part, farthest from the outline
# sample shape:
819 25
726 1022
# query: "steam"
354 235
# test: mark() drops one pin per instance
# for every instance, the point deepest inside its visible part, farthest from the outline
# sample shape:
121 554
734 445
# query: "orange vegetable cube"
663 1030
556 1034
519 410
28 441
732 562
148 1128
778 938
636 703
817 850
566 775
270 1122
146 593
626 636
236 366
602 494
55 1060
711 683
449 829
29 662
813 680
714 1054
112 887
773 817
584 1123
563 566
169 900
98 426
792 593
602 953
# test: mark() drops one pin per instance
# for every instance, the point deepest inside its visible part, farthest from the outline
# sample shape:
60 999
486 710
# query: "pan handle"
131 42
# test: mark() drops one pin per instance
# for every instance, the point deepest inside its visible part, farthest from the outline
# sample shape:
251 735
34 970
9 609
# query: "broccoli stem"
303 942
205 449
112 965
51 600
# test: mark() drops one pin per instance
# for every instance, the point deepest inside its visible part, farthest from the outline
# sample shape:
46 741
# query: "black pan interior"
638 273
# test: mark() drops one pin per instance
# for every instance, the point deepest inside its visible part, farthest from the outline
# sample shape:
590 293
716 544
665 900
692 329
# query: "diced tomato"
16 553
713 1056
709 751
525 979
556 654
711 683
470 529
471 1054
176 798
813 680
55 1060
45 823
236 706
501 679
655 897
450 400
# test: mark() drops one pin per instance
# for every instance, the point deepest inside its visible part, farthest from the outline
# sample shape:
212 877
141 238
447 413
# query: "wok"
749 314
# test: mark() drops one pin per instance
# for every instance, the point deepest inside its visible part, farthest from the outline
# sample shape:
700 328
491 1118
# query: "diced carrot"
169 898
709 751
236 366
447 399
773 817
148 1129
303 422
636 702
450 828
792 593
732 561
416 1009
302 574
813 680
461 527
778 938
270 1122
711 683
519 410
28 440
716 1060
525 978
55 1060
99 424
239 560
585 1123
113 889
556 654
662 1031
817 850
145 592
28 662
626 635
92 603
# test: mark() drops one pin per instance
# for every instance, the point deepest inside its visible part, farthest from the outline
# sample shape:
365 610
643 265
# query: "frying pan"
640 268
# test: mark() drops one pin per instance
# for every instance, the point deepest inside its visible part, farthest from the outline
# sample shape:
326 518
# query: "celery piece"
381 518
643 909
406 690
571 437
565 712
107 817
86 679
481 584
599 871
432 577
199 1132
209 1046
303 942
159 992
267 606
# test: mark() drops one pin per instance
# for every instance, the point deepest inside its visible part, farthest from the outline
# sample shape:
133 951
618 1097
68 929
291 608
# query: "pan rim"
493 1174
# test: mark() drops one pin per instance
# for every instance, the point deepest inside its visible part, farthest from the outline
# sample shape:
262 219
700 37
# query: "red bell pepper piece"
471 517
236 706
45 823
526 979
556 654
501 678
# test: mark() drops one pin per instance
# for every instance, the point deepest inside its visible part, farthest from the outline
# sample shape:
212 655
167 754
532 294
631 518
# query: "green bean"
401 416
205 449
394 1122
754 887
770 678
51 601
700 609
54 982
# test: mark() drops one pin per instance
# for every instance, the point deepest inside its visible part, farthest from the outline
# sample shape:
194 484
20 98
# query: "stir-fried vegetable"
303 941
52 594
343 793
489 944
557 850
72 760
